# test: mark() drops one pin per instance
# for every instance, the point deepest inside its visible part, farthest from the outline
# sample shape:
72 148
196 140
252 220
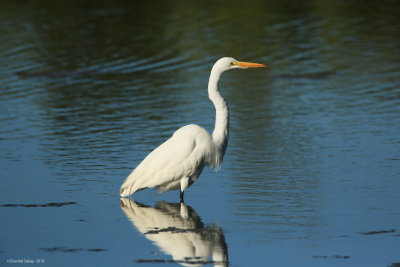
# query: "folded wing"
182 155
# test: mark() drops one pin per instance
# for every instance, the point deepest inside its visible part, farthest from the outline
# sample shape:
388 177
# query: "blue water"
311 173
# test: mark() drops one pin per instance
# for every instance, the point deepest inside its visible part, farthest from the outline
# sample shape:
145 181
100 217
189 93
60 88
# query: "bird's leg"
181 196
184 185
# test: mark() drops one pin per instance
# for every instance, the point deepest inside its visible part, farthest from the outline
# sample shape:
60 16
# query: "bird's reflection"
177 230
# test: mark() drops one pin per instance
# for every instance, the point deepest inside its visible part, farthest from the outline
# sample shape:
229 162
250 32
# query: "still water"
312 171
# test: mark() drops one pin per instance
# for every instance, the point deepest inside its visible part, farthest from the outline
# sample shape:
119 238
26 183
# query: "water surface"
311 174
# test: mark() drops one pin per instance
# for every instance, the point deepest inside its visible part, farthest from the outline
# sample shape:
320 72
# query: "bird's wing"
176 158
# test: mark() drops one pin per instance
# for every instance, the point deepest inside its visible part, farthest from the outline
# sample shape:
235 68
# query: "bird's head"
228 63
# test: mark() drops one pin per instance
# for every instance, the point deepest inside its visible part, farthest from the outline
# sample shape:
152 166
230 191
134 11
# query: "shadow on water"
52 204
71 250
178 231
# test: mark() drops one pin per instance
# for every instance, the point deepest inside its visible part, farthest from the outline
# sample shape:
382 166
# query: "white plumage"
179 161
183 155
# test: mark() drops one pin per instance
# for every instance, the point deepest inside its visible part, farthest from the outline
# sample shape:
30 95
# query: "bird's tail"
127 187
131 185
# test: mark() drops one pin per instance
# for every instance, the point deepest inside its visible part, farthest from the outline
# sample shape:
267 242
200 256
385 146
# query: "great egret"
179 161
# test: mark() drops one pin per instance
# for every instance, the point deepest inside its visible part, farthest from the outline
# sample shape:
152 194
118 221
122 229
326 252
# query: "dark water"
312 172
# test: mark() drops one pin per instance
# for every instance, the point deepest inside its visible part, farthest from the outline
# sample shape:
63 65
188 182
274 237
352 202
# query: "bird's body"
165 168
178 162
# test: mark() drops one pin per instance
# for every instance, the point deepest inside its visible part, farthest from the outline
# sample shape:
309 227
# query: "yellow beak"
248 64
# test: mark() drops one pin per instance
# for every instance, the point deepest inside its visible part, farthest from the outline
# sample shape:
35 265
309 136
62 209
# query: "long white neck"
221 130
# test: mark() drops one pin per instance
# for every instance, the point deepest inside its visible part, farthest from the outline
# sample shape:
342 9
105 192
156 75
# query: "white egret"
178 162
